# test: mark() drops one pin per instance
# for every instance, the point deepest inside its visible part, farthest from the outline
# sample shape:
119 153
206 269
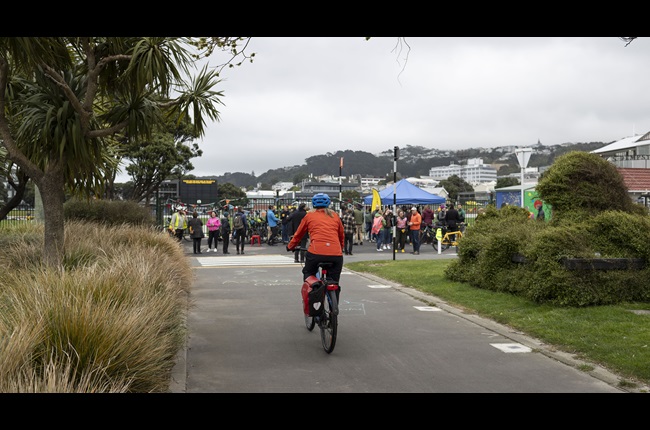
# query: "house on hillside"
631 155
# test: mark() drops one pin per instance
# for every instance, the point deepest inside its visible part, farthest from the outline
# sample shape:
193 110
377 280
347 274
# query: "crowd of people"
282 222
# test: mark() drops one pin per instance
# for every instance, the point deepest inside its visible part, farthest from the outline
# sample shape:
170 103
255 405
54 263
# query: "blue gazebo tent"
406 194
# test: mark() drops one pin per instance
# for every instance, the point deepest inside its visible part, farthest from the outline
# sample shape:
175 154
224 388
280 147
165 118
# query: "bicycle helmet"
321 200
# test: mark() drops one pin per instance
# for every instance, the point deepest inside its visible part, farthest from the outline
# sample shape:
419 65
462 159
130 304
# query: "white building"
282 186
474 172
630 152
368 183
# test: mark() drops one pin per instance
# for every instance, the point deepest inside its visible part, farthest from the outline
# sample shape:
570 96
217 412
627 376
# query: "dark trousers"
401 237
285 233
213 235
179 234
415 240
303 244
311 266
197 244
226 241
240 240
347 244
273 238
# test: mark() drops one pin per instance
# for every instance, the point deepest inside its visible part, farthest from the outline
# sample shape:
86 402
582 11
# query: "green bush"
110 212
590 220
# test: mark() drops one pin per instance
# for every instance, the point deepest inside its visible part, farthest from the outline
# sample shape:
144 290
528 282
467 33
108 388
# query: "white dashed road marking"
511 347
246 260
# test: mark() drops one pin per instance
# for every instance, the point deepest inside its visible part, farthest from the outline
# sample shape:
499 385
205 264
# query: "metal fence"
19 214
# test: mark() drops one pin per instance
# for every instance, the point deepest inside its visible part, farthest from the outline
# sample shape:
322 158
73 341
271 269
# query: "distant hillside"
414 161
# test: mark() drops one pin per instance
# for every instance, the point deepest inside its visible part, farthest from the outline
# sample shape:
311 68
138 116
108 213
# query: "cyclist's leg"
311 266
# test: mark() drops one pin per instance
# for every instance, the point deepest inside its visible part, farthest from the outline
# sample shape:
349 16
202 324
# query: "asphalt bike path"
247 335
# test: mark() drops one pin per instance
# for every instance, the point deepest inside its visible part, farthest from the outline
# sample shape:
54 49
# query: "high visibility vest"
176 218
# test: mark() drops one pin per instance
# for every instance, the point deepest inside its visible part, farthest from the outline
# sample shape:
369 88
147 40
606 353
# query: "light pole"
523 155
395 157
340 187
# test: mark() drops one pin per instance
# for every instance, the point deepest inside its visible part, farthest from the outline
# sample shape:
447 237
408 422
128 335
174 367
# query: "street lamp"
523 155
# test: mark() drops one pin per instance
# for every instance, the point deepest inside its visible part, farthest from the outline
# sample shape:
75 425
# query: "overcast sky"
310 96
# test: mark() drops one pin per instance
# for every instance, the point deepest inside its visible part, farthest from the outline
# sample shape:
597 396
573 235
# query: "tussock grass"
111 320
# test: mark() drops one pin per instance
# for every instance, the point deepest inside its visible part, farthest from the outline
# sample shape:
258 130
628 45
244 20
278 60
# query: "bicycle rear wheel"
329 321
310 322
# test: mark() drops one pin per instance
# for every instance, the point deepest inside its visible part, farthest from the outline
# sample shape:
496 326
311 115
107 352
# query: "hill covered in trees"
414 161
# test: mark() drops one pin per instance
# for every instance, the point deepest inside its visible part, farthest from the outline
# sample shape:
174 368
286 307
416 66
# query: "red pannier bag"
313 293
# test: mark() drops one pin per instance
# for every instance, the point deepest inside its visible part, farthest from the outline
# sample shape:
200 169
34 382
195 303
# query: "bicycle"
428 235
328 319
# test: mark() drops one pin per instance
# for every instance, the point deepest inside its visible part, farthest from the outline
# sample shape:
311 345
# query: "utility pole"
395 157
340 187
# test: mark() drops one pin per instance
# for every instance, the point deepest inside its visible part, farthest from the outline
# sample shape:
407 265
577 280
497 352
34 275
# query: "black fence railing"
19 214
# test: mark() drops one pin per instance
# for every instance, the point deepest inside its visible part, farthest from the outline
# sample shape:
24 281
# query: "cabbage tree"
65 101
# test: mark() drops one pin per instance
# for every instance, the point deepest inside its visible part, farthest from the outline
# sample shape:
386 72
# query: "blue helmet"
321 200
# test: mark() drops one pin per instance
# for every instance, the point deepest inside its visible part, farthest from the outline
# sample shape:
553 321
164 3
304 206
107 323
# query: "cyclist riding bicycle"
326 239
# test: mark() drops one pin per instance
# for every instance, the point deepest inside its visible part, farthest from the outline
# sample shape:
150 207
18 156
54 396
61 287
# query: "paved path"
247 335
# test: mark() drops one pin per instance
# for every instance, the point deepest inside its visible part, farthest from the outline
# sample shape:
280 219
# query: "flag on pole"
376 200
341 165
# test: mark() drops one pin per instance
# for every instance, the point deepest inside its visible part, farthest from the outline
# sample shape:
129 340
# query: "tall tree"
64 99
454 185
166 154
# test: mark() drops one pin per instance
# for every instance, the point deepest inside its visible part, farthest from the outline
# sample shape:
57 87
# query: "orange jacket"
326 235
416 219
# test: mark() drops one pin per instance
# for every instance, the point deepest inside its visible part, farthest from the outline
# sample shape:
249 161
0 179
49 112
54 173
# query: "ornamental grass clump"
110 320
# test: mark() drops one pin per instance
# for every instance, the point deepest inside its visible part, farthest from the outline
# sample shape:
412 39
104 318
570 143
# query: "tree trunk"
52 192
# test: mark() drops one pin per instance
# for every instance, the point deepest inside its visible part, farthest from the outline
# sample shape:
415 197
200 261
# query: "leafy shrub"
593 217
111 212
585 182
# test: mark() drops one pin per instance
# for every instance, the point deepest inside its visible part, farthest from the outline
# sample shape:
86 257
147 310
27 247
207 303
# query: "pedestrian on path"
414 227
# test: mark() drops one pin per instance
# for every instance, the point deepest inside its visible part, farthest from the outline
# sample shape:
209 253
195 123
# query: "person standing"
178 223
442 215
377 226
461 218
427 216
402 230
240 229
214 225
196 231
284 227
540 210
461 213
387 230
452 221
294 220
368 217
414 226
273 225
349 228
358 222
225 232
